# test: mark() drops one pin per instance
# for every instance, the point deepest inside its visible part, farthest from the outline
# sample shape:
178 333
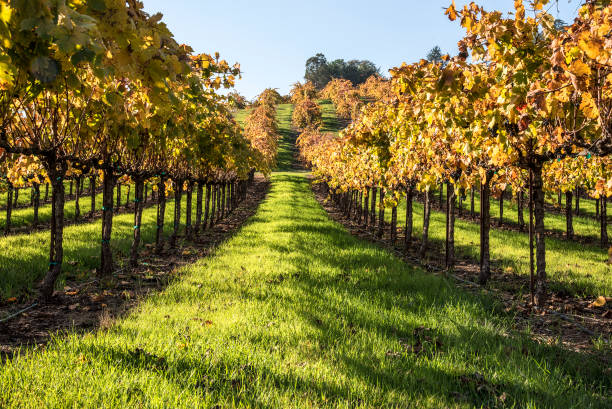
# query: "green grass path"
294 312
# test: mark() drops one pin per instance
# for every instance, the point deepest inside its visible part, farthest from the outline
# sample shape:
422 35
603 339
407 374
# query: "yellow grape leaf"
603 30
5 13
572 54
599 302
579 68
588 107
451 12
591 48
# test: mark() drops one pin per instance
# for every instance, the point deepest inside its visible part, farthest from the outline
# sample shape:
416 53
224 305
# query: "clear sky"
272 39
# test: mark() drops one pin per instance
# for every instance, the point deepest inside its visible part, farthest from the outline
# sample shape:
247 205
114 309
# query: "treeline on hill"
101 90
529 113
320 72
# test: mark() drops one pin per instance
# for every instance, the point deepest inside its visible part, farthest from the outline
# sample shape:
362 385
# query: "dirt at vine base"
572 322
86 306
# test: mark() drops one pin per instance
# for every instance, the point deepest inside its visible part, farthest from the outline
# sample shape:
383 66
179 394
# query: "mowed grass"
241 114
286 145
331 123
24 258
293 312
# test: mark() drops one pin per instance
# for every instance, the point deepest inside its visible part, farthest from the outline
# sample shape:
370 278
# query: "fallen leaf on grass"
599 302
11 300
393 354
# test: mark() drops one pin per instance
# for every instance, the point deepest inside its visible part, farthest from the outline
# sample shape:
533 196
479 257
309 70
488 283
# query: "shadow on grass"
364 313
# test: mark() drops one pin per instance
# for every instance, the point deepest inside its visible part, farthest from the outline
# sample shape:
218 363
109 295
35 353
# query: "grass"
241 114
24 257
331 123
294 312
286 146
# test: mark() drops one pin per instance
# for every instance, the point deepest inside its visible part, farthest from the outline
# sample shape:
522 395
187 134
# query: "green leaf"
97 5
83 55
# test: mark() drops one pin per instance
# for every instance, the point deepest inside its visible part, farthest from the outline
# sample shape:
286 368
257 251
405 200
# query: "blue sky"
272 39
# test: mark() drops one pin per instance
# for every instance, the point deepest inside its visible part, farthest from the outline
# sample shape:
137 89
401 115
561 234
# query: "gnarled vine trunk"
485 228
138 207
188 229
92 194
213 209
569 225
472 210
450 225
538 211
426 217
161 216
409 221
9 207
206 206
500 222
36 203
366 210
577 201
56 250
77 198
373 207
178 194
199 198
106 259
520 206
603 217
381 213
127 198
118 195
393 225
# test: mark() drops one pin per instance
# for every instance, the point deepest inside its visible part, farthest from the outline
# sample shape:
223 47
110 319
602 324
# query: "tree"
435 55
319 71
